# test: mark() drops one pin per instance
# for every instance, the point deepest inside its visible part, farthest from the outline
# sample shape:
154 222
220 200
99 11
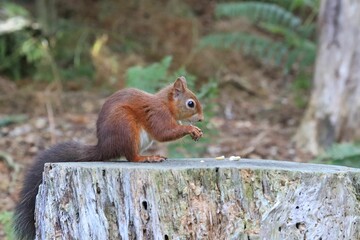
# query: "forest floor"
244 124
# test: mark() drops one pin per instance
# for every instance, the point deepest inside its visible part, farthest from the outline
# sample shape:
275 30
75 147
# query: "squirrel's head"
186 105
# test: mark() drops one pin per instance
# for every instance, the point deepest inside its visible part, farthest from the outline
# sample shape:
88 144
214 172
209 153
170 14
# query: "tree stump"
198 199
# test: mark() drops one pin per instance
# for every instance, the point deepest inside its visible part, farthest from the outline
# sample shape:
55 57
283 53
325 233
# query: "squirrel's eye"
190 103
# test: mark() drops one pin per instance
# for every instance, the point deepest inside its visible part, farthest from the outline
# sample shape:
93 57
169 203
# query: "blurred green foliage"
11 119
10 9
26 51
154 76
69 52
346 154
19 50
282 37
149 78
294 5
6 220
288 42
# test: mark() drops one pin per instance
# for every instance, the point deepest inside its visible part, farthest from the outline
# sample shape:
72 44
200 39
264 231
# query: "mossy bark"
190 199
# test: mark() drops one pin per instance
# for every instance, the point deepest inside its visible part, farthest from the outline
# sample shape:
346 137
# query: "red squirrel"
127 123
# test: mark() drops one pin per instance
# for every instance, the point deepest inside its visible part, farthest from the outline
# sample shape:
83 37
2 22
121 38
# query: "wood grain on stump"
194 199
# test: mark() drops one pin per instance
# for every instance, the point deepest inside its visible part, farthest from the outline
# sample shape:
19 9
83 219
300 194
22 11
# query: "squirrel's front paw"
195 133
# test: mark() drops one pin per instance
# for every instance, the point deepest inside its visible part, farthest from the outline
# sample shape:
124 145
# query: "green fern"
294 5
259 12
154 76
269 52
293 50
148 78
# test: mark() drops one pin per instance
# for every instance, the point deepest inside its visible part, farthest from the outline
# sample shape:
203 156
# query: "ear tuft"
179 86
183 80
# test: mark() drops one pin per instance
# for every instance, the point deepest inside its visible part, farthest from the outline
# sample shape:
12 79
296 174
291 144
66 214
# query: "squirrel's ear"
183 80
180 86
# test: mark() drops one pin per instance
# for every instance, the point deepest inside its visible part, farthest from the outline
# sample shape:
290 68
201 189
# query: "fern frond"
267 51
295 4
154 76
258 12
261 48
148 78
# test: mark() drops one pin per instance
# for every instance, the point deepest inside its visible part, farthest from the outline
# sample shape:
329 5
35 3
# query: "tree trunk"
193 199
334 111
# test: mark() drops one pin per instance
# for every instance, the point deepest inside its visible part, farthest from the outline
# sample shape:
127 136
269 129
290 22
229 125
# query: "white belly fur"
145 140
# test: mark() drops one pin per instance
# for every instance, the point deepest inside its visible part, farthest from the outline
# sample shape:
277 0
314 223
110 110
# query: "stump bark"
193 199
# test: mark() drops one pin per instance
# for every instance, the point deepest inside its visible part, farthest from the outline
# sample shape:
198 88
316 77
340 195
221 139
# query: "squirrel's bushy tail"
24 223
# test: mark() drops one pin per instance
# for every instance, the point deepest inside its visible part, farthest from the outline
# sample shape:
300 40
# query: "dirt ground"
248 125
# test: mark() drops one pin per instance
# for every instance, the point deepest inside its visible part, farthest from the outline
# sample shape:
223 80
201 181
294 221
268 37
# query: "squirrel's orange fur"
128 112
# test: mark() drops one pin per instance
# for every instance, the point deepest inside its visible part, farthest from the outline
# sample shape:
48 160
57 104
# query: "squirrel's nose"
201 118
